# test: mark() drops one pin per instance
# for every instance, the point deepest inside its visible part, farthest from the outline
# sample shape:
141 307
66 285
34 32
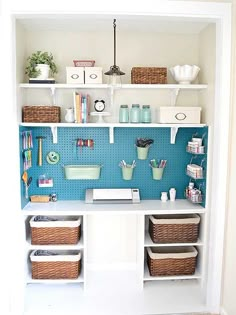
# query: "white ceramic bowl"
184 74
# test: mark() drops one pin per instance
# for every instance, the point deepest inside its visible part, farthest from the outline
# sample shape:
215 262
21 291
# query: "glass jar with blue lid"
124 114
146 115
135 114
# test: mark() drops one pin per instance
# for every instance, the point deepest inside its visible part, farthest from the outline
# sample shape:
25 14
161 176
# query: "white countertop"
80 207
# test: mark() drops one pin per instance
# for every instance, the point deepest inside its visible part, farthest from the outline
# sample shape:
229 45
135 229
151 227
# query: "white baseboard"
223 312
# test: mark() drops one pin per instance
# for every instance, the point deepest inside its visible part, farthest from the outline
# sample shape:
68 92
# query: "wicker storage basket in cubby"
171 261
179 228
41 114
148 75
55 264
55 230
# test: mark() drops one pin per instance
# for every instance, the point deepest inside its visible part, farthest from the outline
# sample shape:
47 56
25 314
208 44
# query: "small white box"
75 75
179 115
93 75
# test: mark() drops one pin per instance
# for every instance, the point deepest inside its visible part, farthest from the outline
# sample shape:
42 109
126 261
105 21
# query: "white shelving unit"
137 291
173 88
80 246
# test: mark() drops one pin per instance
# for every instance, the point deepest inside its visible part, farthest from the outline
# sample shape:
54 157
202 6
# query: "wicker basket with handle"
171 261
55 230
41 114
148 75
55 264
178 228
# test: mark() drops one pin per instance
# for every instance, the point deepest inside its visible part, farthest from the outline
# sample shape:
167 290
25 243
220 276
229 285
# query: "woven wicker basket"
55 230
40 198
174 228
55 265
171 261
41 114
148 75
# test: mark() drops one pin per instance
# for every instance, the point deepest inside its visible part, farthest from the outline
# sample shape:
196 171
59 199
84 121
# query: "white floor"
112 293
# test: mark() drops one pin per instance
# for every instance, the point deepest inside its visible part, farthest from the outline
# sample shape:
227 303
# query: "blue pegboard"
109 156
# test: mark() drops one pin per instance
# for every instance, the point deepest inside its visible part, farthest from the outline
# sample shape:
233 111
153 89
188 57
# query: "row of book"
81 107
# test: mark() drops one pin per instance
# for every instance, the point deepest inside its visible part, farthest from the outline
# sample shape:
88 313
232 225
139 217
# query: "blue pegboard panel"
109 155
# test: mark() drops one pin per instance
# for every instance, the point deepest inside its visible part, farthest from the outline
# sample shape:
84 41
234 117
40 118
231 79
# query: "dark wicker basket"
174 265
44 234
148 75
174 228
41 114
55 269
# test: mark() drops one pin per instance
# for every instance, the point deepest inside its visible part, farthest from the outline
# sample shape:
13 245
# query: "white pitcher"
70 117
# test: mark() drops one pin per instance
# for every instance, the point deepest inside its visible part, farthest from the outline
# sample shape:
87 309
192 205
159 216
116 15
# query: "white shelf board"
62 86
165 86
79 245
79 207
147 277
106 86
148 242
112 125
173 127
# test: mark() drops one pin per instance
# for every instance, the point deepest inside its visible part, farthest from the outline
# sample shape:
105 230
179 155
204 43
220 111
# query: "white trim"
220 151
211 11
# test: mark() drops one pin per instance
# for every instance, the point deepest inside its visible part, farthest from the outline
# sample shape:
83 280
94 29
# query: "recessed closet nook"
114 242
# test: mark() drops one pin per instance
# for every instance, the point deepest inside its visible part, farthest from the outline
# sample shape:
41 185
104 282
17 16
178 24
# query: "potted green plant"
40 64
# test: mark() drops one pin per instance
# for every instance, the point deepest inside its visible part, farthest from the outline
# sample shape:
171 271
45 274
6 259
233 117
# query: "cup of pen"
127 170
142 152
143 145
157 173
157 169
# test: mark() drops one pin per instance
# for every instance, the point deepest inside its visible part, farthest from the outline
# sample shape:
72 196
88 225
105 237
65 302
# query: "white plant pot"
44 71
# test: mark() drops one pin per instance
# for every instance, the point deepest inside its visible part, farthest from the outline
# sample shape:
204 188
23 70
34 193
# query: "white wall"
133 49
229 279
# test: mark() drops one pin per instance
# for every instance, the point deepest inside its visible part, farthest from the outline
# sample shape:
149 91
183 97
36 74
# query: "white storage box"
179 115
82 171
75 75
93 75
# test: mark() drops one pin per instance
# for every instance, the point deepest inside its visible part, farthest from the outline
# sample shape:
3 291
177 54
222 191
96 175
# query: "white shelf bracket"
111 96
173 96
53 90
173 133
111 134
54 134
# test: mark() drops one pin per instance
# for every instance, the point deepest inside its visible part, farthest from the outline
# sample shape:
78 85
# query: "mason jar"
124 114
135 113
146 114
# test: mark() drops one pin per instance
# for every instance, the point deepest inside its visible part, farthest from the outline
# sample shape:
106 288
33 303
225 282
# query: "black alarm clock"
99 105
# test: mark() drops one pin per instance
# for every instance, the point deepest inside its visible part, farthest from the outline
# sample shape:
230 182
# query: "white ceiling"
95 22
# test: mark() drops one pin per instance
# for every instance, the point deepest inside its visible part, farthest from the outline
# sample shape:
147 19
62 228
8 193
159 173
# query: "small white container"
75 75
93 75
164 196
172 193
179 115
